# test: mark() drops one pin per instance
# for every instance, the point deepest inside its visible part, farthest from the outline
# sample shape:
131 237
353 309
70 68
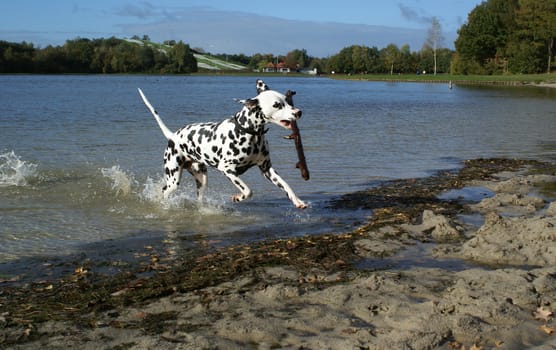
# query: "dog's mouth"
286 124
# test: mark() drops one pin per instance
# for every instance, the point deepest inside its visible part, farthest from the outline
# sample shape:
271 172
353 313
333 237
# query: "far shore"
541 80
547 80
538 80
549 85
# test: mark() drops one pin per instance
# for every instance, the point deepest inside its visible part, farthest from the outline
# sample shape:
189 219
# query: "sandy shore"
550 85
499 294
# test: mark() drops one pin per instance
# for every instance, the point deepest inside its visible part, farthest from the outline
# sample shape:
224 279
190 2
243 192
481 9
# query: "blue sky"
321 27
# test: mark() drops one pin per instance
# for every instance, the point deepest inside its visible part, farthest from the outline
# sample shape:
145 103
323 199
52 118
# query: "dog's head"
276 108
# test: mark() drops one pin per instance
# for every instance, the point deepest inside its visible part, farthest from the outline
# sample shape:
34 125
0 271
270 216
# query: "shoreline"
454 81
311 292
537 80
548 85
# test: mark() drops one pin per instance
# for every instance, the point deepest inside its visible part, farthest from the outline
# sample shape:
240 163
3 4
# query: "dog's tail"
167 133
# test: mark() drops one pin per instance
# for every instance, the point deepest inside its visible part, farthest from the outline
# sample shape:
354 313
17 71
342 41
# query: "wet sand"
335 291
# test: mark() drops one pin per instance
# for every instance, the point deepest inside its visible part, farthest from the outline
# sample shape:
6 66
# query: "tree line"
356 59
499 36
507 36
113 55
110 55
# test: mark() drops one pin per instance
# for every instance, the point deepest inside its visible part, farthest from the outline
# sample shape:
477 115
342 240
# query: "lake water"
81 156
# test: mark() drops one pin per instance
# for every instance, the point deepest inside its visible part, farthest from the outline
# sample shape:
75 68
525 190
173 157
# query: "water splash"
122 182
184 197
132 196
152 190
14 171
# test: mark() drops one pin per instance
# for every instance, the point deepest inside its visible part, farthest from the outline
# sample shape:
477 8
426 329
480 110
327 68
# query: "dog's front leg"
271 175
245 191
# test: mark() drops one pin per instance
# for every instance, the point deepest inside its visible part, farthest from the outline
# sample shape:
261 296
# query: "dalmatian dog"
231 146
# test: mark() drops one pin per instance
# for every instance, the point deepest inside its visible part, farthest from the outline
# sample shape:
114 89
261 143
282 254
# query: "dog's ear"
261 86
250 103
289 97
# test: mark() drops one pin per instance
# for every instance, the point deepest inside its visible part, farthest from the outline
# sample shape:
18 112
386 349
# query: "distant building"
269 68
280 68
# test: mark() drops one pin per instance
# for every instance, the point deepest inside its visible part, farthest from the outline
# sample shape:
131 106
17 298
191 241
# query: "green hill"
212 63
204 61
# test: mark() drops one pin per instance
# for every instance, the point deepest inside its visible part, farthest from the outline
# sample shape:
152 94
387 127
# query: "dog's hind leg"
173 167
199 172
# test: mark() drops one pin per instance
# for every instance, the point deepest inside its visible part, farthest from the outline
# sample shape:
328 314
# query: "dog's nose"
297 114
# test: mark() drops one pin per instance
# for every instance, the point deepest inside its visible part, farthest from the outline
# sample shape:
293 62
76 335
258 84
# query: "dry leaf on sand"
542 314
547 329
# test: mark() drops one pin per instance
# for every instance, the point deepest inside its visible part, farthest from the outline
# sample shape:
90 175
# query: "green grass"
216 62
508 79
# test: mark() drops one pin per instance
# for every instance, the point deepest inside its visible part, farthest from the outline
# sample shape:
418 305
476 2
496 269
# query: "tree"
434 39
390 55
79 53
16 58
48 60
297 59
259 61
477 38
507 35
342 62
182 59
359 59
485 35
407 62
536 20
146 56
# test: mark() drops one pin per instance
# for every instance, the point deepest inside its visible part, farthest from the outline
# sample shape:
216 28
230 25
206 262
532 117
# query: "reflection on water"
419 255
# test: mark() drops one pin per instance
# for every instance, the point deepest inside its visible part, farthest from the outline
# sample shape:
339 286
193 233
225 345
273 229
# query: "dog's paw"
238 198
301 205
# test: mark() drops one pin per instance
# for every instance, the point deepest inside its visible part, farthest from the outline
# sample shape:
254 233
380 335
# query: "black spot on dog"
242 169
172 147
278 105
235 151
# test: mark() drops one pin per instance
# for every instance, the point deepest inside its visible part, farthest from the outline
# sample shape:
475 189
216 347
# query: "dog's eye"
278 105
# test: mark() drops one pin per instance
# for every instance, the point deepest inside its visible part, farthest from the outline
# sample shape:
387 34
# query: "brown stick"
296 136
301 164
